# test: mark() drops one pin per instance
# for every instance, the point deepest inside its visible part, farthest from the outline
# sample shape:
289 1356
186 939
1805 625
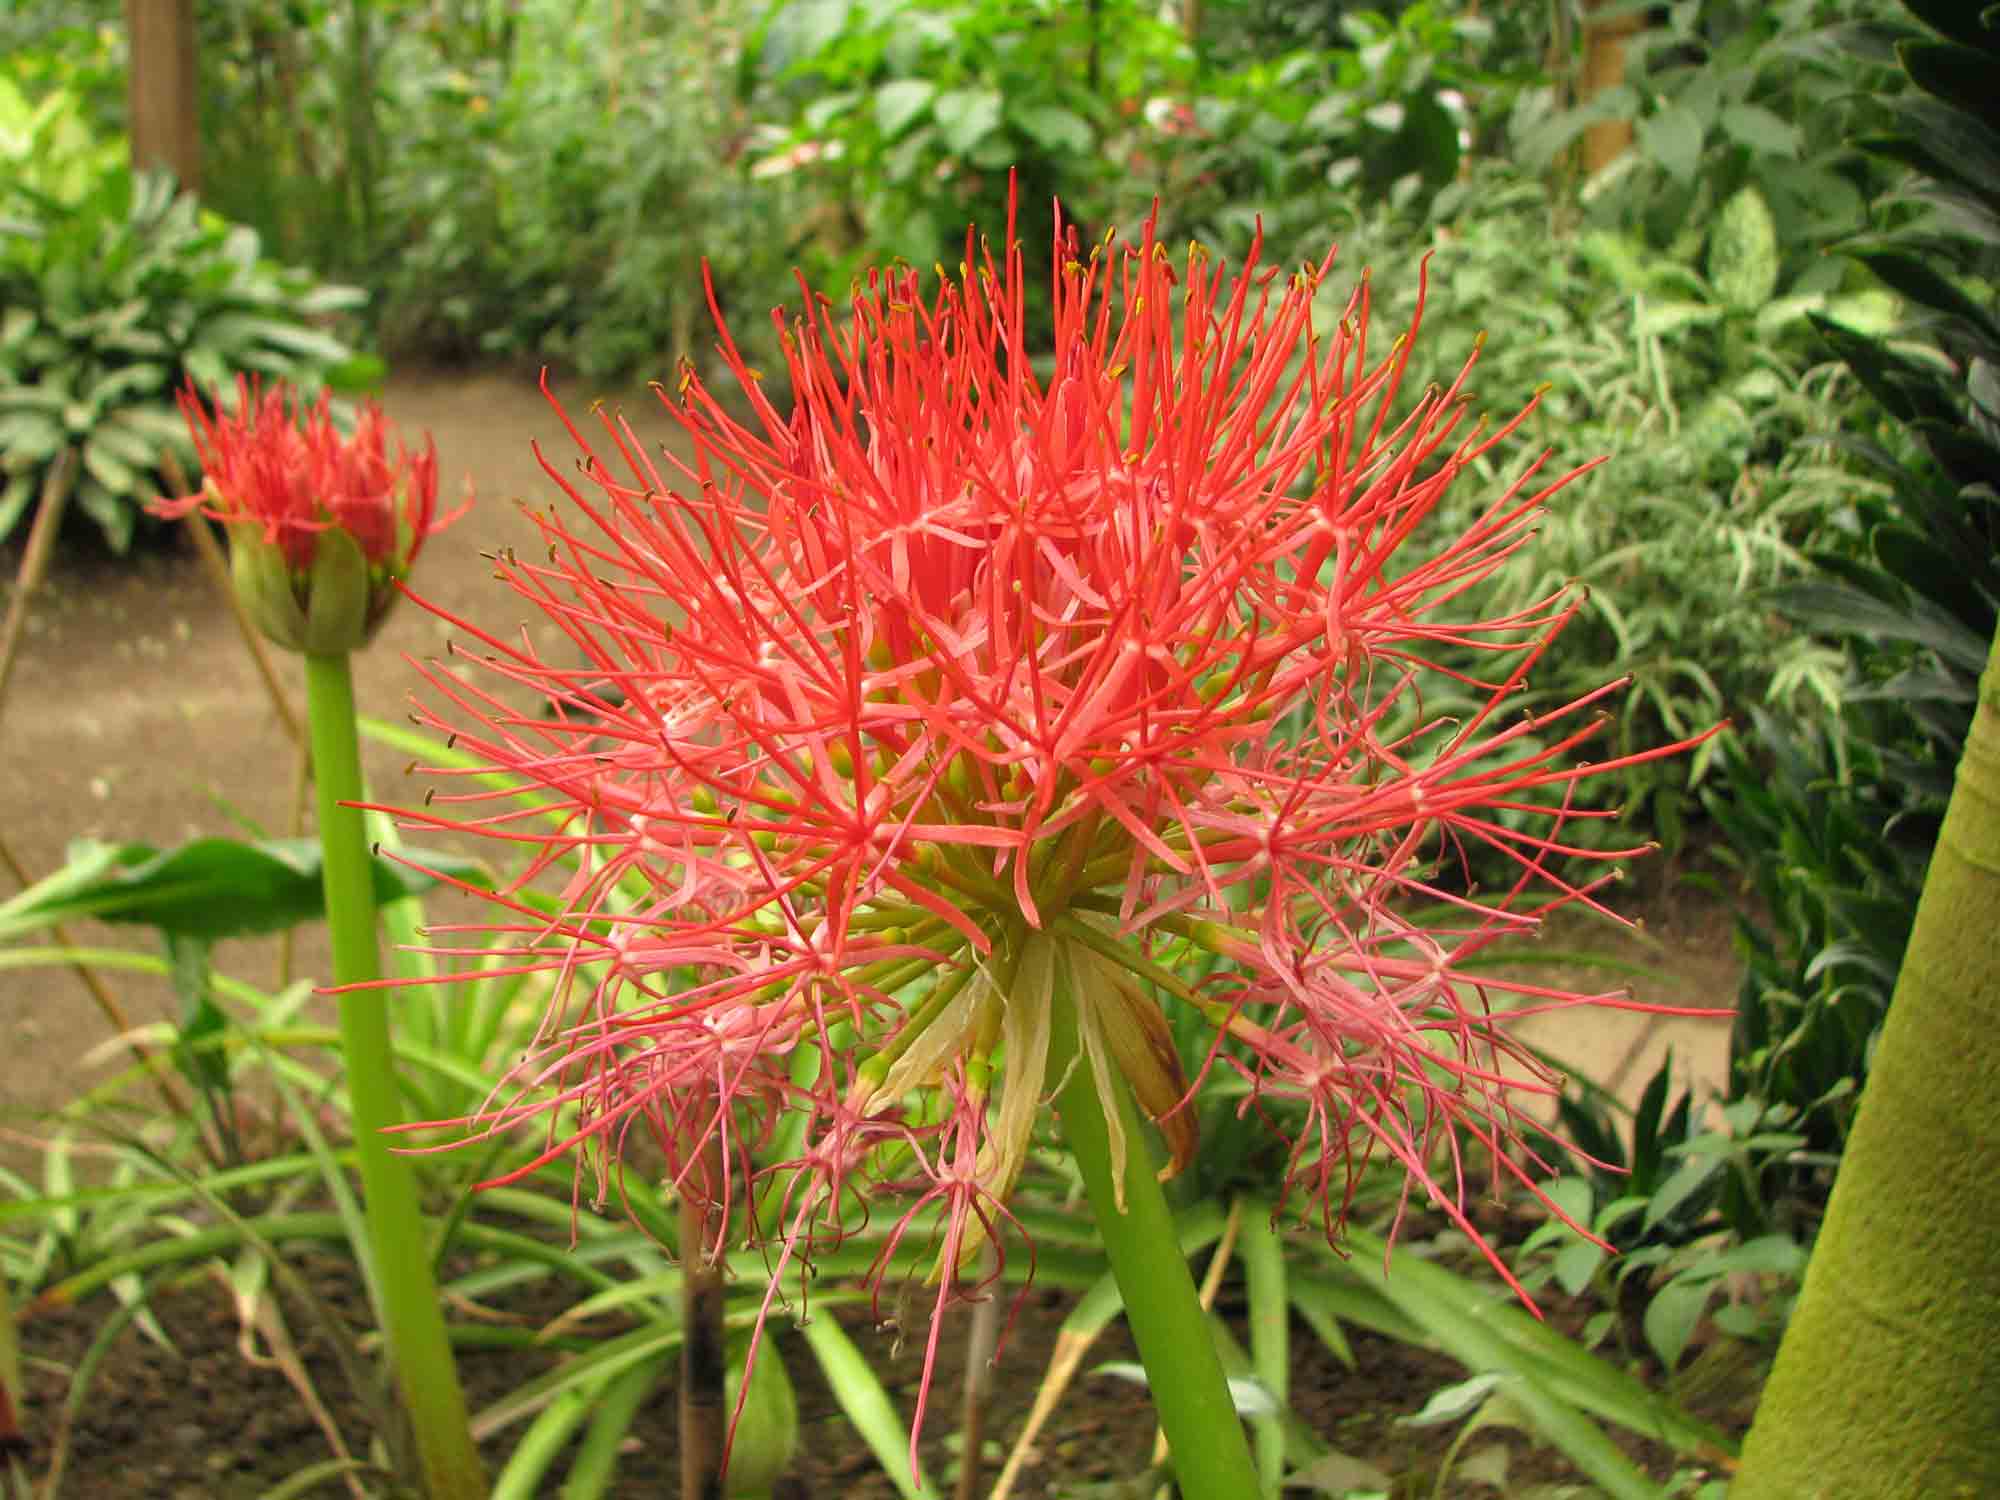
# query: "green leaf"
1946 578
1770 1255
1832 607
50 396
211 888
812 25
29 439
1743 251
202 1020
1957 75
1672 138
1672 1315
293 338
1338 1475
1919 281
1575 1264
15 326
128 444
1969 24
114 515
823 111
966 116
1454 1402
1955 147
900 101
329 297
1664 318
359 374
206 367
1756 127
868 1406
104 464
159 425
1054 128
1871 312
1688 1179
15 498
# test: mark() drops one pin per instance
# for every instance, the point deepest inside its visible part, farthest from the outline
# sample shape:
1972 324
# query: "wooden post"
1604 41
161 89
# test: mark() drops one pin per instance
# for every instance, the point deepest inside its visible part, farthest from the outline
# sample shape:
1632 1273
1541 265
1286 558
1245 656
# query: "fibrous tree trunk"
1888 1380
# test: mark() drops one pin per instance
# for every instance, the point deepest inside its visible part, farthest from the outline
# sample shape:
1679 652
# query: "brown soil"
135 714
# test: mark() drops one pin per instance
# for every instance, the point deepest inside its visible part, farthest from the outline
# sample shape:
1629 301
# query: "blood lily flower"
902 749
322 526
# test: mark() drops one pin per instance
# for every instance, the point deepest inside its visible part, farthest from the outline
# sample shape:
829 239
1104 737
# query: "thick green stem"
1888 1380
1210 1454
412 1316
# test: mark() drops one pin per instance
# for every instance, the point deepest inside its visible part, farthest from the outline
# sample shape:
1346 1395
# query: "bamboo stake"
35 560
704 1410
983 1340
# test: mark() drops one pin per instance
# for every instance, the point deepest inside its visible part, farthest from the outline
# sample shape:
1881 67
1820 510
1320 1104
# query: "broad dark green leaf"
1961 22
1938 574
1911 392
1959 148
1646 1123
1834 607
1958 75
211 888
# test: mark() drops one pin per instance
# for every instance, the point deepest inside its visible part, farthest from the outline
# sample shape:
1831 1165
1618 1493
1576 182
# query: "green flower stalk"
323 529
900 743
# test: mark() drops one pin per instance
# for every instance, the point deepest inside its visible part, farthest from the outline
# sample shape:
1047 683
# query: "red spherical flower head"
322 526
901 744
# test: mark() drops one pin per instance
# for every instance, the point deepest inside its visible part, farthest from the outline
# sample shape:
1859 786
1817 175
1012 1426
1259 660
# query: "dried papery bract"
917 730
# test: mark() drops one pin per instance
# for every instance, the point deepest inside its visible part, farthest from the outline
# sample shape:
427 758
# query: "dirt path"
136 714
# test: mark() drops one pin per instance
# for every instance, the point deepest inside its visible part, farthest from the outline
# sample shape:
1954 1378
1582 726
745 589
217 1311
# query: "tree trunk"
1888 1381
161 89
1604 67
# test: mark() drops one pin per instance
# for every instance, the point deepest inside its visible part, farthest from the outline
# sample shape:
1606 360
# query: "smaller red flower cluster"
322 525
282 465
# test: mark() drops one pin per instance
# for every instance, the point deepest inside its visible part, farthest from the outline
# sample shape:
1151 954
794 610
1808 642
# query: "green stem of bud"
398 1247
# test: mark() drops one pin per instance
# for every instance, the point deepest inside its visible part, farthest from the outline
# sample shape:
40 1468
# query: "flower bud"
322 527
